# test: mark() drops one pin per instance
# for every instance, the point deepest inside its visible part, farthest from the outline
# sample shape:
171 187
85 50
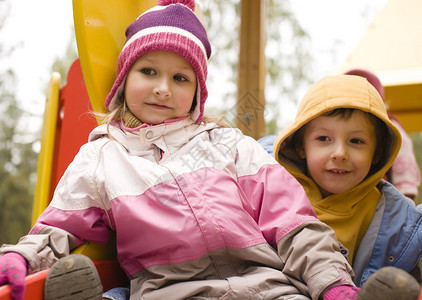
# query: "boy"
339 147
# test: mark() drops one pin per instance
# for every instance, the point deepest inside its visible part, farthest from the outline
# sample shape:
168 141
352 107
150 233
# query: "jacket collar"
168 136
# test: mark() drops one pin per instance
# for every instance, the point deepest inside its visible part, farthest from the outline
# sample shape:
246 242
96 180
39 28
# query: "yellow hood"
351 212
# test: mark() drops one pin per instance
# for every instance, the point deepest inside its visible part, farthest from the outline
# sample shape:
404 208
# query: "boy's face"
160 86
339 151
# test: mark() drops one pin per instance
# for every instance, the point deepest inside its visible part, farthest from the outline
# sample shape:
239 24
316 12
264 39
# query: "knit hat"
371 77
170 26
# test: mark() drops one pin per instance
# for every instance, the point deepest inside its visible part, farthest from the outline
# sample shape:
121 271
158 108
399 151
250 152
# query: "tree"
62 64
17 158
287 57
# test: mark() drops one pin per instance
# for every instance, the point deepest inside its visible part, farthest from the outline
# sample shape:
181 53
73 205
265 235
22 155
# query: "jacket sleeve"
76 214
44 249
307 247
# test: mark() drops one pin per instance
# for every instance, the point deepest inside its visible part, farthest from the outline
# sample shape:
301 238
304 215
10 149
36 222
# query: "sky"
335 27
41 30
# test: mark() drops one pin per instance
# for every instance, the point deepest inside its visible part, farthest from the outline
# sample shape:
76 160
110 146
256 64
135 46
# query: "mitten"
342 292
13 269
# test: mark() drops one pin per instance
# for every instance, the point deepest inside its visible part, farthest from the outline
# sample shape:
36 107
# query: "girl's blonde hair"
118 110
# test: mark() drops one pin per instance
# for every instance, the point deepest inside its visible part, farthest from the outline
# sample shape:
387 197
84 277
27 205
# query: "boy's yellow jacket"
349 213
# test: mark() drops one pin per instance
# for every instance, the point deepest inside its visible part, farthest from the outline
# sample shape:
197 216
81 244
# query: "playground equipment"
66 125
391 49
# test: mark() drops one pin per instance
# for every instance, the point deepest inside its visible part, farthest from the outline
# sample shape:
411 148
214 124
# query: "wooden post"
251 81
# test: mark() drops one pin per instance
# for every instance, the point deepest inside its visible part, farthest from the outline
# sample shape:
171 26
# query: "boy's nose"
339 153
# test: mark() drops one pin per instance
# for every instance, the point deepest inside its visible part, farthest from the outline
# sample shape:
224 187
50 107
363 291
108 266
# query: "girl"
200 210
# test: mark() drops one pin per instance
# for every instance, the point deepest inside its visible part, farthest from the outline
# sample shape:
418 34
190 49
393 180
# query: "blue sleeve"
267 143
119 293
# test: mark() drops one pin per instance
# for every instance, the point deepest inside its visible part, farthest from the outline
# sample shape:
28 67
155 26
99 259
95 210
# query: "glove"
13 269
342 292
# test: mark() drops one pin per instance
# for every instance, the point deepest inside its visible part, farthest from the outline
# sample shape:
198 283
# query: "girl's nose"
339 153
162 89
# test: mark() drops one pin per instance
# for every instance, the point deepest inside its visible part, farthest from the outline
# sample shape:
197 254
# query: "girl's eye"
322 138
148 71
180 78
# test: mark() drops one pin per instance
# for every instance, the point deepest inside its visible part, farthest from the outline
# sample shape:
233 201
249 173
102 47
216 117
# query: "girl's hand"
13 269
342 292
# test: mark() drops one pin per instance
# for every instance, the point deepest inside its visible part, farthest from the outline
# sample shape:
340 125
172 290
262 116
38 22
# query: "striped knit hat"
169 26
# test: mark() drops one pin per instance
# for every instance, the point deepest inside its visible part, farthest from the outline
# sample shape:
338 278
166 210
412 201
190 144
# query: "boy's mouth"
337 171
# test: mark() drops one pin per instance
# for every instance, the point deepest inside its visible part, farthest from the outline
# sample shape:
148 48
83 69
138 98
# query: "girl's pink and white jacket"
199 211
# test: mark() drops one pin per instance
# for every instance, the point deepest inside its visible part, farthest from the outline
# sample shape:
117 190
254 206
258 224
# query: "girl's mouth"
158 106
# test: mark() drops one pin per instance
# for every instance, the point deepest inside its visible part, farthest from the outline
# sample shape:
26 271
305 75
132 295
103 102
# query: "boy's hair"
170 26
381 133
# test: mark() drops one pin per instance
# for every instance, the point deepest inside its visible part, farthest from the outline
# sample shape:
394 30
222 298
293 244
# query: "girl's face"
339 151
160 86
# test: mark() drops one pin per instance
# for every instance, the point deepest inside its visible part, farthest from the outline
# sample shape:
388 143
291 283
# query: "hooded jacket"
361 210
199 211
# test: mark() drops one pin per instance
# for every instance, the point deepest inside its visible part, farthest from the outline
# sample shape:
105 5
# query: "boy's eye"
180 78
148 71
357 141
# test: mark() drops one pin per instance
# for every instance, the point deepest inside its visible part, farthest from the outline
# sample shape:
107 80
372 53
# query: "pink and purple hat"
170 26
